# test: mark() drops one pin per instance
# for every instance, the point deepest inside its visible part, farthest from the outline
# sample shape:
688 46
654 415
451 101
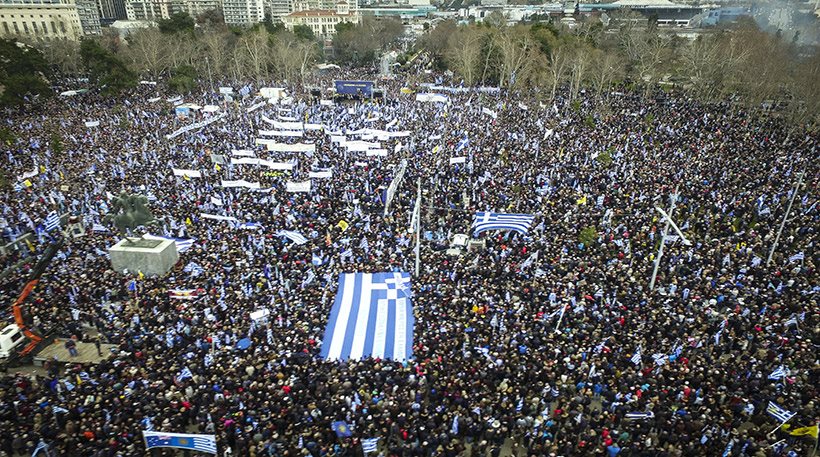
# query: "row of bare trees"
216 53
743 62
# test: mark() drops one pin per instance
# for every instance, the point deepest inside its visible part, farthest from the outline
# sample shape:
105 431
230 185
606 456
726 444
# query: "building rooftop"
316 13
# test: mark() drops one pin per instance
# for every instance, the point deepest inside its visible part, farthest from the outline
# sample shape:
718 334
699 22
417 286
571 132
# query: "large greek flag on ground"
500 221
201 443
371 317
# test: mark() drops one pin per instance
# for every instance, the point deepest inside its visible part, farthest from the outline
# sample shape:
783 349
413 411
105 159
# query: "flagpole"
663 241
781 424
561 317
785 217
418 225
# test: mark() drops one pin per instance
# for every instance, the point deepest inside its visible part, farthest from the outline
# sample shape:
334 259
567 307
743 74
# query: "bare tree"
514 44
62 54
464 52
216 46
254 47
149 51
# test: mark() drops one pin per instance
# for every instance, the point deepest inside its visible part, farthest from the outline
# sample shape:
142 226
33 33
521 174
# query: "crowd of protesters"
545 344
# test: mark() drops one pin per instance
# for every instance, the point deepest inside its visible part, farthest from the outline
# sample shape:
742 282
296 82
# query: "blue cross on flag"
371 317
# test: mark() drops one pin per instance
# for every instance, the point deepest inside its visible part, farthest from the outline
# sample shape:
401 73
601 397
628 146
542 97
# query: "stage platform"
87 353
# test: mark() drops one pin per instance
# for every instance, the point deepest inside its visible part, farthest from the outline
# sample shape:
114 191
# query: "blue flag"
341 429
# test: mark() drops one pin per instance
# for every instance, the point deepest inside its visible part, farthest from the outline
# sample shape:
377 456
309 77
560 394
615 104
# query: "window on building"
16 29
53 28
6 28
34 27
62 26
25 27
45 29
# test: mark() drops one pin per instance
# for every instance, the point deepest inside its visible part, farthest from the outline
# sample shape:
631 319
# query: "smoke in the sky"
792 18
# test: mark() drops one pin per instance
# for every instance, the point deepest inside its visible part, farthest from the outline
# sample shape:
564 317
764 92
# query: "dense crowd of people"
545 344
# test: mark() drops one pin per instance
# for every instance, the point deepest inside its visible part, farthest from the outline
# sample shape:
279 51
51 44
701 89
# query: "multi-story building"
243 12
148 10
196 7
322 21
111 10
276 9
40 19
89 17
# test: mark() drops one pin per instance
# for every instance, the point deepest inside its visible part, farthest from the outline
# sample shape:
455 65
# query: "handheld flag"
191 441
779 413
485 221
341 429
369 445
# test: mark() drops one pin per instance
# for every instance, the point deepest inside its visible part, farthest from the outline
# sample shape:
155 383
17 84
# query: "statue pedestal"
151 257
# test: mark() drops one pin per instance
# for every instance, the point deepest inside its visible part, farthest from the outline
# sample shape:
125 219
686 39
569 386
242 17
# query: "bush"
183 79
588 236
605 158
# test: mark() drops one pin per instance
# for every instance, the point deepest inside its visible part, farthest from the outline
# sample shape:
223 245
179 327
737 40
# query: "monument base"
151 257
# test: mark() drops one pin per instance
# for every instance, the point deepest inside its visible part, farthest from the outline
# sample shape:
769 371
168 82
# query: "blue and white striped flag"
636 359
728 449
194 269
185 373
296 237
660 359
779 413
371 317
369 445
454 427
780 373
640 416
42 446
309 278
52 221
192 441
183 244
463 143
720 331
797 257
316 260
485 221
520 405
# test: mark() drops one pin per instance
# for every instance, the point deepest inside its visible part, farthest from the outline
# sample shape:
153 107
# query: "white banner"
255 107
195 126
298 147
216 201
320 174
241 183
361 145
188 173
244 161
303 186
376 153
92 124
437 98
154 100
218 217
29 174
276 165
291 133
313 126
455 160
337 139
326 102
243 153
489 112
226 90
263 162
